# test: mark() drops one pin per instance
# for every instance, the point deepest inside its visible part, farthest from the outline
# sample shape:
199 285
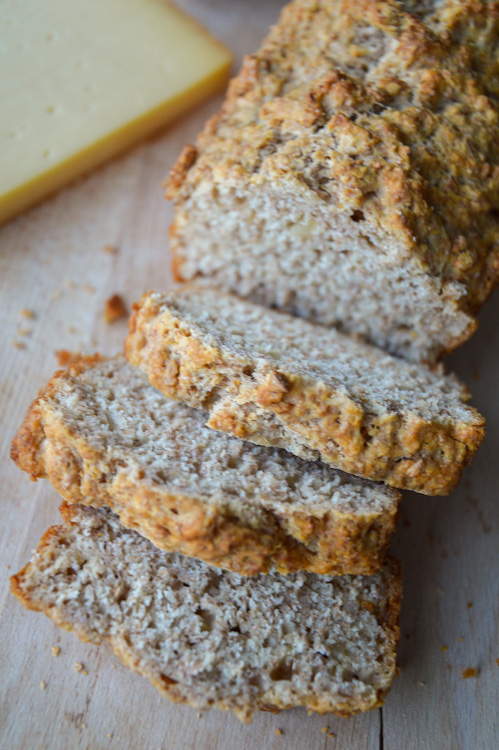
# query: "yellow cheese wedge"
80 80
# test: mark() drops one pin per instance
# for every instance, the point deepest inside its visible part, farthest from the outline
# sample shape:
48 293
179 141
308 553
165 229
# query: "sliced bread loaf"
352 175
267 377
103 435
211 638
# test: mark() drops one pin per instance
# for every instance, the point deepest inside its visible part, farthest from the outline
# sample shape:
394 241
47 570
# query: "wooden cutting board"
52 262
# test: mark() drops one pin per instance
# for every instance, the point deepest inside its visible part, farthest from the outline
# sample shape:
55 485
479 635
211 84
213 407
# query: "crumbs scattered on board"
78 667
28 314
115 309
279 732
111 249
470 672
43 684
56 650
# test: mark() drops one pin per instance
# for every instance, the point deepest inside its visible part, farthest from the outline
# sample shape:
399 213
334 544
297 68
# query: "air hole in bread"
357 215
283 671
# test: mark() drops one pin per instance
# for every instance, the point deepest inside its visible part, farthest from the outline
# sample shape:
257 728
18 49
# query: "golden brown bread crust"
387 616
335 543
410 130
396 447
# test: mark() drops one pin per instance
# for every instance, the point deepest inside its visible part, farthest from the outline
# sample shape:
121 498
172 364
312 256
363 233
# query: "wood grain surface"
52 263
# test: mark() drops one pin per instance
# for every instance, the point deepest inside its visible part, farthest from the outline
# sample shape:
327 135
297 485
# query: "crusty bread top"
381 109
212 638
376 380
144 437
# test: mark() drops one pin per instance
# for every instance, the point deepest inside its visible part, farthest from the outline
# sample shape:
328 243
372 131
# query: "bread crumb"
331 734
43 684
65 357
115 309
324 730
460 640
83 671
109 734
72 330
111 249
78 666
470 672
278 731
28 314
469 605
18 344
89 288
83 726
26 331
497 662
56 650
443 648
421 684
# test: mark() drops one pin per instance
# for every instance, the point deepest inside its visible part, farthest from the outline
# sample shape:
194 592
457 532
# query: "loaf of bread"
267 377
352 175
104 436
211 638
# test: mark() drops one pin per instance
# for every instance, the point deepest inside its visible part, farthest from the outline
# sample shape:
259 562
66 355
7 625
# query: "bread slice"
276 380
103 435
352 174
215 639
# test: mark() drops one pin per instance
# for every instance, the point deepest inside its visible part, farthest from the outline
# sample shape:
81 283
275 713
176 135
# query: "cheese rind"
82 81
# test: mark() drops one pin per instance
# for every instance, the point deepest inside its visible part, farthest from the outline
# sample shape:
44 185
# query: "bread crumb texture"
352 174
273 379
104 436
65 357
211 638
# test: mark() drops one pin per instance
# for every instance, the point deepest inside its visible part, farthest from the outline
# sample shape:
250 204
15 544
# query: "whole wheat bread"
211 638
277 380
103 435
352 174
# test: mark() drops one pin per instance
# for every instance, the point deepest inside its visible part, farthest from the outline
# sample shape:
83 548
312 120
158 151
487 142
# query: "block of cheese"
81 81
